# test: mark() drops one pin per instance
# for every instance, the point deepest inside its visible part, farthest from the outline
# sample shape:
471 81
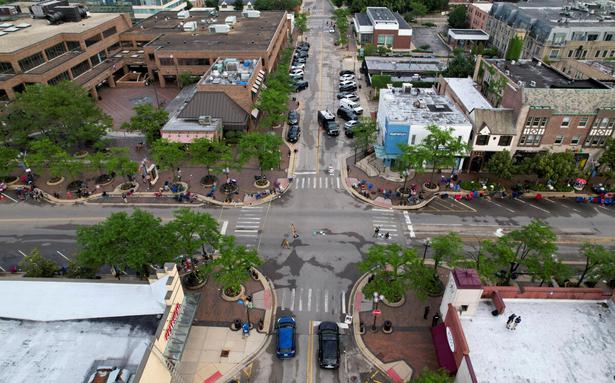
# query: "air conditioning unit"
204 120
406 88
42 9
507 72
533 84
252 13
219 28
183 14
190 26
230 20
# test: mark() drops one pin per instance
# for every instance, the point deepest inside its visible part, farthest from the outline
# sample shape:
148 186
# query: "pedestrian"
347 169
124 198
245 330
293 230
515 323
387 235
285 244
179 175
376 231
511 318
426 312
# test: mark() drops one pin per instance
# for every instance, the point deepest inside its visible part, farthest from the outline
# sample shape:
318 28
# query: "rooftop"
362 19
166 31
216 105
230 71
70 351
468 95
40 30
404 64
381 14
485 7
556 341
535 74
420 107
468 34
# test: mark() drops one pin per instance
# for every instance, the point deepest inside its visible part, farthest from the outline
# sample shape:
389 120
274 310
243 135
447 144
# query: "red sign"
172 321
376 312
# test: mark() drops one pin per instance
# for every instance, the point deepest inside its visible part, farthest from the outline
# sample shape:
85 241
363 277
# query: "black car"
299 60
328 345
293 117
300 85
294 131
300 53
303 44
348 87
346 114
343 72
303 48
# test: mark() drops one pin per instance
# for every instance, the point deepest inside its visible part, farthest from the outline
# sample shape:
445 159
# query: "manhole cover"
224 353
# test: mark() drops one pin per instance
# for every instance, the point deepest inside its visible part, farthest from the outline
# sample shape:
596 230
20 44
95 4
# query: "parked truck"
326 119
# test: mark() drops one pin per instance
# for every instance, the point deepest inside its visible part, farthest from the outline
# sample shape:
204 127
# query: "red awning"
445 356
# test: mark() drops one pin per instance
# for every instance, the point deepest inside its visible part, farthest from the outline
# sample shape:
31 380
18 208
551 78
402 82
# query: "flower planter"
11 180
395 304
262 185
126 186
81 154
208 180
75 185
55 181
104 180
430 188
233 298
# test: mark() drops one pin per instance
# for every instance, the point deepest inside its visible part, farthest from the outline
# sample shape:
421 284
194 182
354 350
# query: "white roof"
52 300
467 94
485 7
556 341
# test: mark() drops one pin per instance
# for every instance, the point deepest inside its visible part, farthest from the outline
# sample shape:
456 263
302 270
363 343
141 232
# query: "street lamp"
427 244
377 298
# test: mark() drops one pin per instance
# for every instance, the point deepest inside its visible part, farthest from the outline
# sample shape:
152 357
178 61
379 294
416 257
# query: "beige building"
478 13
581 70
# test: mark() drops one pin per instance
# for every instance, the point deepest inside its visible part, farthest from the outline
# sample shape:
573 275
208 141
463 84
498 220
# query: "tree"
64 113
238 6
515 47
607 159
188 5
446 248
273 100
37 266
75 271
211 4
168 154
41 153
546 266
364 134
369 49
513 250
193 231
301 22
264 147
458 17
98 162
599 262
209 153
418 9
433 376
443 148
479 260
69 165
120 163
124 241
394 270
411 158
186 78
340 16
552 167
148 121
233 266
461 65
8 161
501 164
272 5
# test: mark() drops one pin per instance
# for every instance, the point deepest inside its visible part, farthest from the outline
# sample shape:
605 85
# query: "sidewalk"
215 353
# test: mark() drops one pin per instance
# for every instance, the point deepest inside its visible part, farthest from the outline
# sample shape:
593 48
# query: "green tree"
193 231
446 248
64 113
211 4
209 153
607 159
168 155
148 121
411 158
188 5
134 241
501 164
37 266
41 152
186 78
8 161
370 50
301 22
599 262
418 9
458 17
71 166
75 271
443 148
238 6
364 134
462 65
120 163
233 265
479 260
553 167
515 47
264 147
433 376
273 100
395 269
546 266
98 162
340 16
517 248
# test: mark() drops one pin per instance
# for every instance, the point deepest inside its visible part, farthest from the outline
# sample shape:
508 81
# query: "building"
229 5
58 330
493 129
552 30
34 51
405 113
564 334
553 112
139 9
173 44
466 38
223 98
382 27
582 70
478 13
403 69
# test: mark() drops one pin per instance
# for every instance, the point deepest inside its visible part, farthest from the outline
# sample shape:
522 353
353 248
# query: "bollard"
387 327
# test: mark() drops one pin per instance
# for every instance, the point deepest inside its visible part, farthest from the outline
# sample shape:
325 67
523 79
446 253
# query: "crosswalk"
248 225
387 221
306 182
304 299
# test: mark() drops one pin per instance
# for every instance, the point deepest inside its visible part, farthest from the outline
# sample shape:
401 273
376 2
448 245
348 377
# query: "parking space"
448 205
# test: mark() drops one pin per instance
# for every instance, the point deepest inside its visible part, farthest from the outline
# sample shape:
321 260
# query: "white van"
354 106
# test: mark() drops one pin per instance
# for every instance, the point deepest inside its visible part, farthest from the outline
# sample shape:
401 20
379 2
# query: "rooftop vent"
204 120
185 14
219 28
533 84
251 13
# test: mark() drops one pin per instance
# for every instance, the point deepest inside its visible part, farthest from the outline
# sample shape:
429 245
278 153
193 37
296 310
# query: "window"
595 141
570 53
575 140
61 77
482 139
505 141
92 40
604 52
558 140
151 57
597 54
604 122
126 44
114 47
579 36
584 54
31 61
554 53
80 68
592 36
413 139
6 68
55 50
543 122
530 140
192 61
109 32
385 40
166 61
612 54
98 58
565 122
73 45
583 122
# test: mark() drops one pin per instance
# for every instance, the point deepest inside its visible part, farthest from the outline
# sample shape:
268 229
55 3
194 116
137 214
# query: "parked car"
348 95
346 114
343 72
348 128
304 48
296 77
298 60
304 44
292 136
286 344
347 77
293 117
328 345
352 105
300 85
352 87
347 82
298 66
296 71
300 53
331 30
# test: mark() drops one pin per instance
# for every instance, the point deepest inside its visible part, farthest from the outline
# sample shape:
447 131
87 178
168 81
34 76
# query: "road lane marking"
502 206
2 269
343 302
22 253
314 184
326 301
300 299
302 182
549 200
309 302
62 255
292 300
224 227
320 182
317 300
283 298
539 208
310 354
306 173
9 197
409 224
338 182
326 183
389 211
459 202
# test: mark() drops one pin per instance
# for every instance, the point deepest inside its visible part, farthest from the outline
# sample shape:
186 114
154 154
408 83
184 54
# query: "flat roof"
54 300
247 34
363 19
40 30
381 14
420 106
543 75
70 351
556 341
485 7
470 97
468 34
404 64
230 71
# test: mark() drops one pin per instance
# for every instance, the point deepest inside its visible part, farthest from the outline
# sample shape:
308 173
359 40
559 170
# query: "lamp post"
427 245
377 298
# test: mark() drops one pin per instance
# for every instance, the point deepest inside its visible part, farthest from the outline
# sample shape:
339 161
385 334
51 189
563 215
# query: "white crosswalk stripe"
387 221
314 182
309 299
248 224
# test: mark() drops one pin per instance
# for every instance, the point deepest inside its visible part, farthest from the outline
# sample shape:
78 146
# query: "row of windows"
61 77
483 139
541 122
583 53
80 68
31 62
55 51
6 68
535 139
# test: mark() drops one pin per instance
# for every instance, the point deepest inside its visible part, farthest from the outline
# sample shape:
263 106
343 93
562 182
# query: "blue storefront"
394 134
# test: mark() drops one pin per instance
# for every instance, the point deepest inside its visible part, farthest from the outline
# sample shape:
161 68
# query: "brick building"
478 13
382 27
35 51
553 111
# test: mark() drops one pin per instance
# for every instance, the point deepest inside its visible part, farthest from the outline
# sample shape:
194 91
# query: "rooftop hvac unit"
406 87
8 12
230 20
190 26
183 14
71 13
533 84
204 120
42 9
219 28
231 67
252 13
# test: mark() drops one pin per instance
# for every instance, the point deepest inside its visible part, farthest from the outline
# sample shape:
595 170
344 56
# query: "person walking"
285 244
293 231
376 231
124 198
387 235
510 320
515 323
